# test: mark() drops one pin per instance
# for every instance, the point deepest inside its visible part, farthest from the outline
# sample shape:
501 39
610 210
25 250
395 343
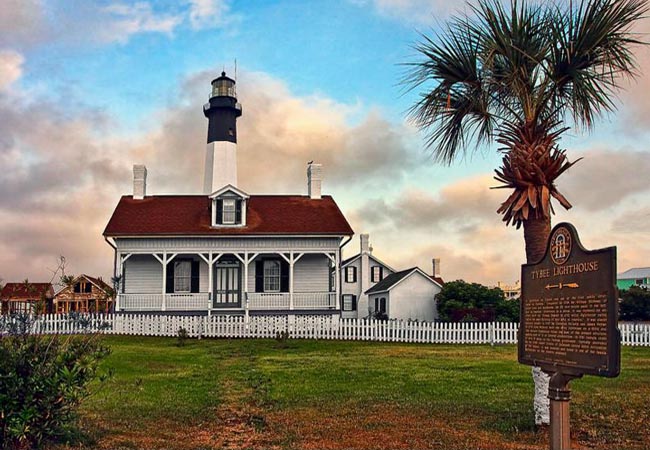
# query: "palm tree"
521 76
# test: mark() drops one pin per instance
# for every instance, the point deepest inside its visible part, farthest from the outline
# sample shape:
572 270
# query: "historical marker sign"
569 308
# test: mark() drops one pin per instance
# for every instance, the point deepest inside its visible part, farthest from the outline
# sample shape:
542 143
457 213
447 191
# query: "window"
380 305
88 287
182 276
350 274
349 302
377 274
271 276
638 281
77 288
229 208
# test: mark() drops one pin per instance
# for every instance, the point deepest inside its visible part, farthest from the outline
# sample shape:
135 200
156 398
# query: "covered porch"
228 281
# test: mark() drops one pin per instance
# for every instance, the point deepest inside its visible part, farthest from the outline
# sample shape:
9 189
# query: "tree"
459 300
521 76
635 304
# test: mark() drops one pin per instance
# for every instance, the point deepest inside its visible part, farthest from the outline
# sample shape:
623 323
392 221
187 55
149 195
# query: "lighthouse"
222 111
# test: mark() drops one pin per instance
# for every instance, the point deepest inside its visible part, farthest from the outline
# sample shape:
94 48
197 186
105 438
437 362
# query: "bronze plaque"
569 308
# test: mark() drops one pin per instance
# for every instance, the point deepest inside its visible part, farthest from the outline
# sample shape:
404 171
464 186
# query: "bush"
635 304
43 379
181 336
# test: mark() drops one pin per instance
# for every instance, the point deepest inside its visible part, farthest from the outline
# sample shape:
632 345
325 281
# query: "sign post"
569 320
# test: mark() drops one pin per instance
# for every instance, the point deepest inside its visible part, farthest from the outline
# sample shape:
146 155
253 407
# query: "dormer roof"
229 188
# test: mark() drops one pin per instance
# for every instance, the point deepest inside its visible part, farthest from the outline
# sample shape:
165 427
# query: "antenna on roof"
235 69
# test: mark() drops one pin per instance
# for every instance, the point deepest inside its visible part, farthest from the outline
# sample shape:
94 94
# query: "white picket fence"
302 327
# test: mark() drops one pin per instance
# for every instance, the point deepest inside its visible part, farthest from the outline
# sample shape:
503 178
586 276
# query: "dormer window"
229 211
229 207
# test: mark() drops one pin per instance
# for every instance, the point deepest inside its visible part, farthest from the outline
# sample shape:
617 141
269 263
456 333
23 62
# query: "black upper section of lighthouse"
222 110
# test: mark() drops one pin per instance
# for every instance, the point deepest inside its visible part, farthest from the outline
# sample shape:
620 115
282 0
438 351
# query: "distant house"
511 291
358 274
26 297
408 294
639 276
84 294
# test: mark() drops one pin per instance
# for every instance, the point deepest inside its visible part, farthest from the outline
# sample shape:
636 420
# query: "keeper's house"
227 251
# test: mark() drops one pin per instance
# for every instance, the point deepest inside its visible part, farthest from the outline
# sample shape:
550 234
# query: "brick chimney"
436 267
139 181
314 177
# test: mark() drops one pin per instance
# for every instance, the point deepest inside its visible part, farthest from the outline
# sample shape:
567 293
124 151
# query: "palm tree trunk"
536 234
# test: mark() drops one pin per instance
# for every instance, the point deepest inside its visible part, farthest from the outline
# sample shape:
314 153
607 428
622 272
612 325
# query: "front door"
227 286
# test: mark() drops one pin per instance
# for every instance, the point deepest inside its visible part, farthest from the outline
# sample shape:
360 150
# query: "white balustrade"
267 300
141 302
187 302
314 300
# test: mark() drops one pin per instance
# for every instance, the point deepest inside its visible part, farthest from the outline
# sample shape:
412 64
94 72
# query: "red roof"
26 291
179 215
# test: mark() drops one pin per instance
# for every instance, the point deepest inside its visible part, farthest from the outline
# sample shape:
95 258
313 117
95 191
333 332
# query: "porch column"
164 281
291 263
210 281
337 279
246 262
118 276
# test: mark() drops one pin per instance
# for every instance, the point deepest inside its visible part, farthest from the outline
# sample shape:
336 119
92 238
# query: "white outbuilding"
409 294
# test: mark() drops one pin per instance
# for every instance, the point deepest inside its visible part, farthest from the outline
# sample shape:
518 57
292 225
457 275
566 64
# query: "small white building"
408 294
358 274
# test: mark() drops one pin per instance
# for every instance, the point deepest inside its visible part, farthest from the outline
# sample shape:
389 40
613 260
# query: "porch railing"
173 302
200 301
314 300
187 302
301 300
141 302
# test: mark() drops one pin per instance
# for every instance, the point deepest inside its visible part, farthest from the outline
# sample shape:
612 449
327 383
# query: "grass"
322 394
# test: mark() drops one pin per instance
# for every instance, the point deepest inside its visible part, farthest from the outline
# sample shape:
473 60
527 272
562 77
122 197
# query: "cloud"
10 68
24 23
605 178
21 21
209 13
117 22
412 11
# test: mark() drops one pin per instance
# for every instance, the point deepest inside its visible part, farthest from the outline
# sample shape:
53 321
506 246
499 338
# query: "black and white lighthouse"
222 111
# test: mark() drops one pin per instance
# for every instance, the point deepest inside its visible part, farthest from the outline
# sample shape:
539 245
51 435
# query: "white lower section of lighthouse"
220 166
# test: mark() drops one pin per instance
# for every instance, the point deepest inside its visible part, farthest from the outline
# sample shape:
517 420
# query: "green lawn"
321 394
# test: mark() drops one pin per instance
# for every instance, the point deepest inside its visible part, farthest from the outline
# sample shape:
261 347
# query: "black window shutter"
284 276
381 273
259 276
194 287
354 303
354 275
238 211
219 218
170 278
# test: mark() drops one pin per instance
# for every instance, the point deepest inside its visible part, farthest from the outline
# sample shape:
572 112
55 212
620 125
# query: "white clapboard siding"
311 273
299 327
143 275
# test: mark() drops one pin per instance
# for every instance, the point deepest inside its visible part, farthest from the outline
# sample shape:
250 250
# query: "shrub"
282 337
43 379
181 336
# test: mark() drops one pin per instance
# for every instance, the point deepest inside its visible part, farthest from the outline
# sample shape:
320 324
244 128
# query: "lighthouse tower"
222 111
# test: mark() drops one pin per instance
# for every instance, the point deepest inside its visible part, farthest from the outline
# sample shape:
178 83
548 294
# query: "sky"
88 88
